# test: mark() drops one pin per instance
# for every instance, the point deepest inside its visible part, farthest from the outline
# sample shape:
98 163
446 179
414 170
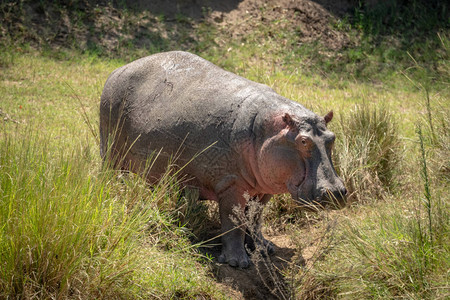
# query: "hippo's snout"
309 194
334 198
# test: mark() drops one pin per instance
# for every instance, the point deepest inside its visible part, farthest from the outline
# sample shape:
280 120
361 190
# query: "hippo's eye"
303 141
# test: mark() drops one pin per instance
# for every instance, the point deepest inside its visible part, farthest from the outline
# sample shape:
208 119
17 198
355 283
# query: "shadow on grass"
116 29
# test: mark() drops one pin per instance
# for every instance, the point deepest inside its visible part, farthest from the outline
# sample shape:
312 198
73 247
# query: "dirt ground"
308 19
261 280
267 277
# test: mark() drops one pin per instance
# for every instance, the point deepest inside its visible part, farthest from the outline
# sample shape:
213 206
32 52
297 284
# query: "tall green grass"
368 151
70 229
397 248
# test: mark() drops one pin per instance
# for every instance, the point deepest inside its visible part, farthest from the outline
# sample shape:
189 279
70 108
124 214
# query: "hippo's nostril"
339 194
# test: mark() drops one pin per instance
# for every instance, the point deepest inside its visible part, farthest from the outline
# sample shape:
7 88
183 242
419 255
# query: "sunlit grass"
397 245
376 252
70 229
69 226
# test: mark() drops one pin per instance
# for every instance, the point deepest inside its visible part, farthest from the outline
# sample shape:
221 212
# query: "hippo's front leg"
233 250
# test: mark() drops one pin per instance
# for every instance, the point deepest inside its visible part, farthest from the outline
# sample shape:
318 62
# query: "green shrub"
368 151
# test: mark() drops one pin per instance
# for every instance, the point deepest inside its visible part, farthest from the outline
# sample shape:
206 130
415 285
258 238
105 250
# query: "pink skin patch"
280 166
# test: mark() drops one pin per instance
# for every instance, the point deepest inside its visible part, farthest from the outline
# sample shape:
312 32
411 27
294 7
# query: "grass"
397 247
368 155
378 252
50 159
70 228
73 229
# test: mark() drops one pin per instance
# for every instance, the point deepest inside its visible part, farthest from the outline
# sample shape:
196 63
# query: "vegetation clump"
71 231
368 152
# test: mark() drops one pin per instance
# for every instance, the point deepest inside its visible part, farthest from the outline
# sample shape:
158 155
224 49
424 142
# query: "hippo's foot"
259 243
235 258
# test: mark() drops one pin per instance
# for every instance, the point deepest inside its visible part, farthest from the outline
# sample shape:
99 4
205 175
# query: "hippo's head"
297 159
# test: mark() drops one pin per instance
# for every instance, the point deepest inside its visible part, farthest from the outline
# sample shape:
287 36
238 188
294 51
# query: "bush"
368 151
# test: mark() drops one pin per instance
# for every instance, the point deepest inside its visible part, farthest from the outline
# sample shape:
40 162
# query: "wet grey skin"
248 142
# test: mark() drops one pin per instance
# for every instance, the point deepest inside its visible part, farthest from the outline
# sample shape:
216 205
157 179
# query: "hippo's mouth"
304 192
293 190
305 197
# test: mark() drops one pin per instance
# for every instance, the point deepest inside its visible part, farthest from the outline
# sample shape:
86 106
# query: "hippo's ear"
328 117
289 121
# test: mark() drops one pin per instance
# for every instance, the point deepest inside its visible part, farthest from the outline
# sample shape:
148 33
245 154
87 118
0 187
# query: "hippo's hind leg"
254 239
233 250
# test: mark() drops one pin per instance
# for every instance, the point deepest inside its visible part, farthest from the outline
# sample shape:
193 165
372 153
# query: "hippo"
232 139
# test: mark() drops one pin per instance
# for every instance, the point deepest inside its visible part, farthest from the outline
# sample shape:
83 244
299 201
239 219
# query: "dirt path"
296 251
262 280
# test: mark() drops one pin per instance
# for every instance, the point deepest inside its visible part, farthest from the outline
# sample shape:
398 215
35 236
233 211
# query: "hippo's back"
173 98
